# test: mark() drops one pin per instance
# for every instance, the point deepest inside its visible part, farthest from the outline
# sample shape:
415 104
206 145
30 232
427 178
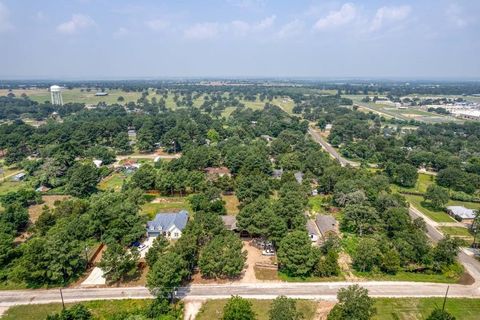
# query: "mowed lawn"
435 215
77 95
8 186
165 204
423 181
463 233
412 309
101 310
213 309
112 182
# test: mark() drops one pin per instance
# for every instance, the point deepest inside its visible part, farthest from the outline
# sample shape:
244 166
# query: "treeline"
451 149
12 108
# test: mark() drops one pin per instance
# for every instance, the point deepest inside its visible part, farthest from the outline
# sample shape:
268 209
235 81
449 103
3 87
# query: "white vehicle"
268 252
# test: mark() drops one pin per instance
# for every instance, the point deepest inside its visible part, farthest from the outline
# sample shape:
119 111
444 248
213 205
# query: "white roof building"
461 212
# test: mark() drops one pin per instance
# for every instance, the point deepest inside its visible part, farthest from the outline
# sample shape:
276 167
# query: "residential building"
461 213
169 224
230 222
312 231
327 225
216 172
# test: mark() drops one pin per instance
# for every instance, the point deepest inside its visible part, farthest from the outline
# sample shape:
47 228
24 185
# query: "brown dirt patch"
466 279
323 309
345 262
35 210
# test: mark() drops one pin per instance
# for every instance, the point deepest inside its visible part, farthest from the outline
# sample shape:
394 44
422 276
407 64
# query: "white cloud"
290 29
158 24
456 16
76 24
242 27
202 31
40 16
121 32
266 23
5 24
386 15
338 18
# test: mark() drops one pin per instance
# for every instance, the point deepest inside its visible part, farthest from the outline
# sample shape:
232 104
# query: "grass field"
76 95
101 310
315 204
413 309
165 204
284 277
8 186
231 204
435 215
213 309
423 181
83 96
112 182
463 233
410 276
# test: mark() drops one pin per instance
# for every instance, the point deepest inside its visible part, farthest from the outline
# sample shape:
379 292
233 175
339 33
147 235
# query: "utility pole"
445 299
63 302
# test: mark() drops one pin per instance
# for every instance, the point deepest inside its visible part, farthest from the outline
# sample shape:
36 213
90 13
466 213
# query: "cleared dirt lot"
49 201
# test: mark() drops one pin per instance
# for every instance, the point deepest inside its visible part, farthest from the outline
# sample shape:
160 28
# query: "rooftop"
165 221
326 224
230 222
462 212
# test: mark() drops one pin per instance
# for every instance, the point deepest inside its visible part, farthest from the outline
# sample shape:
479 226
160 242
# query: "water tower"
56 95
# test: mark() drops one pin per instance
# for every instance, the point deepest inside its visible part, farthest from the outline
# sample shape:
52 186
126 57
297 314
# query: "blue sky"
86 39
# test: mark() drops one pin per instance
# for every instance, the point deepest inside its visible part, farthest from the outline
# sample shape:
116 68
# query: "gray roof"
299 177
462 212
165 221
277 173
230 222
326 224
311 227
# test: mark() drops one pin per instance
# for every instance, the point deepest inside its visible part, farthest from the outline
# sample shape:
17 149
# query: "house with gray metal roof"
168 224
461 213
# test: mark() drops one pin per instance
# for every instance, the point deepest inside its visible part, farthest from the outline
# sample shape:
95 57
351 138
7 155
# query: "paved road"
256 290
331 150
149 156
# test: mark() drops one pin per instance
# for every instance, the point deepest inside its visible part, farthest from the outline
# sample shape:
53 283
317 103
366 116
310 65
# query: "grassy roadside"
410 308
435 215
213 309
101 309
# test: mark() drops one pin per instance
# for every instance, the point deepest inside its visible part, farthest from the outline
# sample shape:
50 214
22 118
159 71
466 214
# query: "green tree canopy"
353 304
238 308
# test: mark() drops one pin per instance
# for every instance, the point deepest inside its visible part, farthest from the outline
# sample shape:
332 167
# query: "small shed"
277 173
19 177
299 177
230 222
